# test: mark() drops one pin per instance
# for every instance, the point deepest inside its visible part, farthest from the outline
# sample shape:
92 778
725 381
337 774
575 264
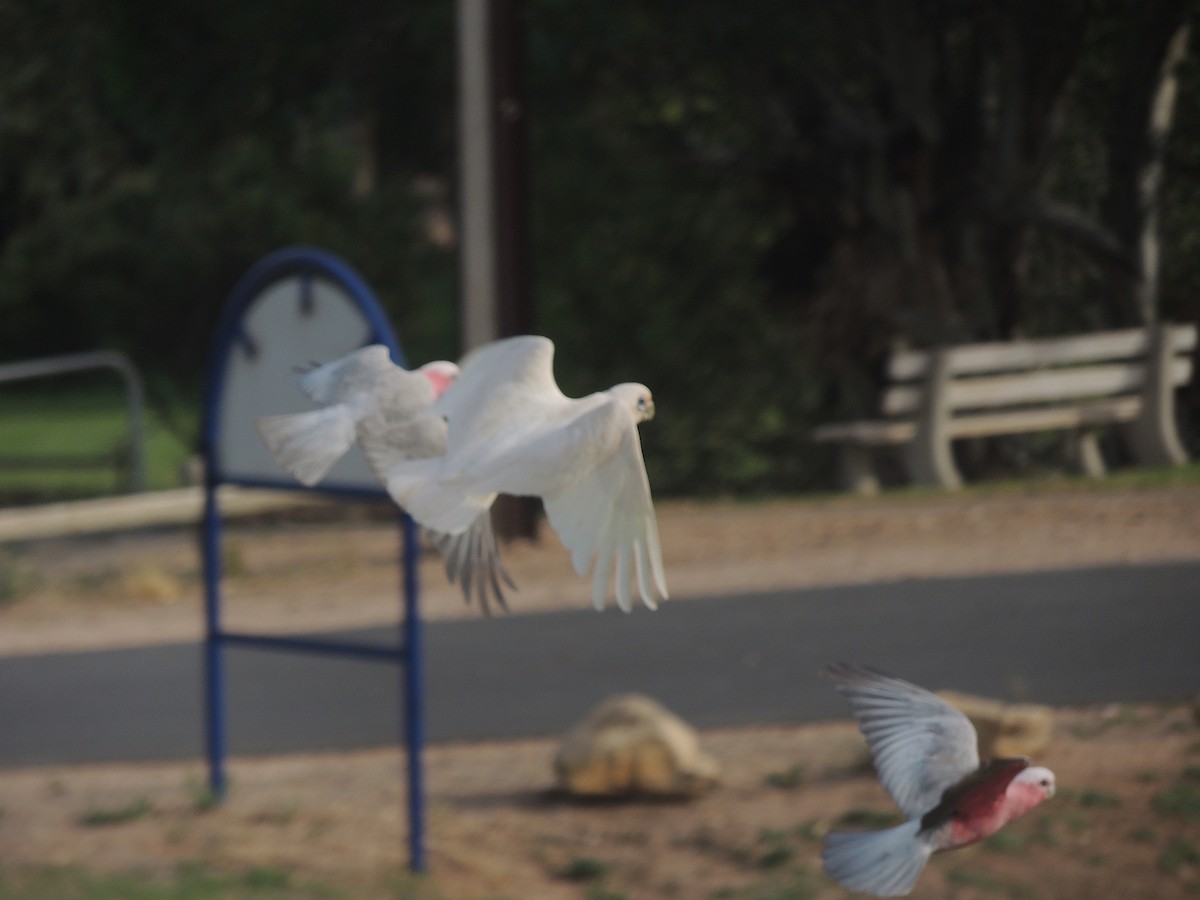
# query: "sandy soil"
1127 823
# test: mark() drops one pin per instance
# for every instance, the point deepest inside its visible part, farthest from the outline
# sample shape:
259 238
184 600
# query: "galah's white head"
637 397
1039 777
1027 790
441 374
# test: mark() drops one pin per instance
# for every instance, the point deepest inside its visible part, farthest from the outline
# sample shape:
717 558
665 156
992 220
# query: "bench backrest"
1055 370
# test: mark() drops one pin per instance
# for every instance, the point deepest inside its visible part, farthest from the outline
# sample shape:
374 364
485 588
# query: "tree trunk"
1142 115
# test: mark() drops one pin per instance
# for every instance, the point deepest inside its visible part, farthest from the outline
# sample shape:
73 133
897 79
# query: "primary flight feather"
365 397
512 431
925 754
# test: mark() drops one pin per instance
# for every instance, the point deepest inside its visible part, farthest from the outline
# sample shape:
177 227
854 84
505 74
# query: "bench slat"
880 432
1007 355
1107 412
990 391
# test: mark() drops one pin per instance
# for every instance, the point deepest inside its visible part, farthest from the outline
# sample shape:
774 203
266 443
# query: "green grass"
1182 801
585 868
986 883
787 779
1179 853
1092 798
600 892
188 882
797 883
1009 840
76 418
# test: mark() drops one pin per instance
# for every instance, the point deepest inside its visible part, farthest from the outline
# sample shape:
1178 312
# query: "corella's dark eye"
641 404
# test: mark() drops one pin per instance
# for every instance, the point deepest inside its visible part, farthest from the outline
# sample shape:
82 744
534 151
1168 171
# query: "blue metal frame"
276 266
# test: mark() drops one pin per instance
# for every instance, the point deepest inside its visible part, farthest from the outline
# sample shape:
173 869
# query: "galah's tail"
884 863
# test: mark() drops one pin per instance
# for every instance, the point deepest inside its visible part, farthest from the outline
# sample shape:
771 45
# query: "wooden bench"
1077 384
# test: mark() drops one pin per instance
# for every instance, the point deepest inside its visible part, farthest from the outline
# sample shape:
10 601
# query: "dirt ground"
1126 822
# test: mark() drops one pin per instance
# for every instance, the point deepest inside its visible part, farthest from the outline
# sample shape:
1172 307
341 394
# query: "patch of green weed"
600 892
1092 798
1178 854
1180 801
118 815
1009 840
585 868
786 780
777 856
968 878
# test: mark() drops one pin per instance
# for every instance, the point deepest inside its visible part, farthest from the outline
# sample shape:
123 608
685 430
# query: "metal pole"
478 301
414 696
134 403
214 662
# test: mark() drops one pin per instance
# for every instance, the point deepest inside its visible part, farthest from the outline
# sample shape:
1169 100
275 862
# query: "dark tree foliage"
743 205
154 151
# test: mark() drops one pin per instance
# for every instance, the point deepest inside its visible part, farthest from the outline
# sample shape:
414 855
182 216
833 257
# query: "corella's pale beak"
649 413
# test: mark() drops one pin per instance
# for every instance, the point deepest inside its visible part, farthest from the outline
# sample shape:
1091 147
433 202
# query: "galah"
926 755
513 431
365 397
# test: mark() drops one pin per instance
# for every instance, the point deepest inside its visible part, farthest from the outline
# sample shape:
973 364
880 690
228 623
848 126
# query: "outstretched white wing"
921 744
505 392
606 519
501 404
587 467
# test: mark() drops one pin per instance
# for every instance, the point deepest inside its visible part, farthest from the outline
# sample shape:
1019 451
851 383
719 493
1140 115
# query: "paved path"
1094 635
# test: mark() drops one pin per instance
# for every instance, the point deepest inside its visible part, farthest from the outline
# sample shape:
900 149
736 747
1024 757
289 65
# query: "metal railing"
99 359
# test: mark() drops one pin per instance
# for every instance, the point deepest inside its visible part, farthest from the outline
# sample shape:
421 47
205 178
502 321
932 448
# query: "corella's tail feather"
884 863
472 561
308 444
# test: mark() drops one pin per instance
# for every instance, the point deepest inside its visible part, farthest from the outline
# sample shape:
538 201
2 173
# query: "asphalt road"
1082 636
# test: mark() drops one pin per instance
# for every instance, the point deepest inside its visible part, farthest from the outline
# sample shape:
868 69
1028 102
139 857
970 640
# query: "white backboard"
293 321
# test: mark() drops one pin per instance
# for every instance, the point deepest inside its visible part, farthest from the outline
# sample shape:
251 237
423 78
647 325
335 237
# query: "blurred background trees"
742 205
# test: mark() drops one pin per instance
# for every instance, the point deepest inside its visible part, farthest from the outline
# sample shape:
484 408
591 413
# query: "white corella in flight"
365 397
512 431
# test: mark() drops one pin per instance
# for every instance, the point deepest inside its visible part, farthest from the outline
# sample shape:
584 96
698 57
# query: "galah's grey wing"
921 744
